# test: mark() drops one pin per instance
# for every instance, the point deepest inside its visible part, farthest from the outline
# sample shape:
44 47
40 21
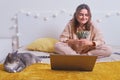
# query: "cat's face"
12 63
13 58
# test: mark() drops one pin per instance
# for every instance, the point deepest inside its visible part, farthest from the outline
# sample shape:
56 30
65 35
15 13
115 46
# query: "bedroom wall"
104 11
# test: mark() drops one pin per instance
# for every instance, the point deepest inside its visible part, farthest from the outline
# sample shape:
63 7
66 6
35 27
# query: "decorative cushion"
43 45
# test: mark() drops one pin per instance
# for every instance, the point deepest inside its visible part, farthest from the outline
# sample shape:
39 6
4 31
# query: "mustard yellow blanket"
101 71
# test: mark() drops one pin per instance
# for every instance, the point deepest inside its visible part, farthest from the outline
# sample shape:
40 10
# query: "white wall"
99 8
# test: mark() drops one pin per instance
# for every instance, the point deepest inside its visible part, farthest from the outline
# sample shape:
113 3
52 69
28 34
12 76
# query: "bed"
29 27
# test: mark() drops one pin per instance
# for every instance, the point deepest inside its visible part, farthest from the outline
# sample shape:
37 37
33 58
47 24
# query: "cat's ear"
16 52
9 55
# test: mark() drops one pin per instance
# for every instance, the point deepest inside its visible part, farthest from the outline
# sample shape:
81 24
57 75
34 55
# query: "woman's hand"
80 42
72 41
85 42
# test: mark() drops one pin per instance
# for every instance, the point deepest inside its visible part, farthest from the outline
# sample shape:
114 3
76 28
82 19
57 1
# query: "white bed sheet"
113 57
36 53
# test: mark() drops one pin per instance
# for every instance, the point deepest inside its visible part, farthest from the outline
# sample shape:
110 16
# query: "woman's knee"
104 51
58 45
57 48
109 51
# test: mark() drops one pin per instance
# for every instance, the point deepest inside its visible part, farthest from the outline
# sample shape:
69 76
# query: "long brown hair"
76 23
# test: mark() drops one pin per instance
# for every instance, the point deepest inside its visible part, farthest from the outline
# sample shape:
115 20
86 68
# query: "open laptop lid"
72 62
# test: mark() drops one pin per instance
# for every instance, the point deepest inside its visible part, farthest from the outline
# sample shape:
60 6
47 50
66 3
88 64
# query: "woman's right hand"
73 41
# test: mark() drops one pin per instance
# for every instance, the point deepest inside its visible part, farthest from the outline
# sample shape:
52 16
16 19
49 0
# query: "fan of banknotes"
82 34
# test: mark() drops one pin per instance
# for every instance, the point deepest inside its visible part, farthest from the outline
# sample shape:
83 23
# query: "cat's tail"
44 56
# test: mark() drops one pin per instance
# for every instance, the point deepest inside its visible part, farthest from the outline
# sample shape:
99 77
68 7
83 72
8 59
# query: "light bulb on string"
21 11
14 18
14 42
28 13
36 16
118 13
70 14
54 15
108 15
45 18
98 20
13 27
63 11
18 34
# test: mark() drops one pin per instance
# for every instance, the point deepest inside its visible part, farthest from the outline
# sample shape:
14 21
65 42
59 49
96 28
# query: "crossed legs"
100 51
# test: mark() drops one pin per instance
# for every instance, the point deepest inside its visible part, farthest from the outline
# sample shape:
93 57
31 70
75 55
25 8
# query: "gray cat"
16 62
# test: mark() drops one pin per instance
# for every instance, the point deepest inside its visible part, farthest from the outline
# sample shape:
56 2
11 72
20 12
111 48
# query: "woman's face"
82 16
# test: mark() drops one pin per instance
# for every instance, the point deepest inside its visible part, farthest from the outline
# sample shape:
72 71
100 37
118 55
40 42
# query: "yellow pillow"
43 44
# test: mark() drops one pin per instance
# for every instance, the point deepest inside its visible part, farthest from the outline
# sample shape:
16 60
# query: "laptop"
72 62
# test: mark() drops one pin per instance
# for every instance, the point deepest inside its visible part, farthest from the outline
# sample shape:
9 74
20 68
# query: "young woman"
73 35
